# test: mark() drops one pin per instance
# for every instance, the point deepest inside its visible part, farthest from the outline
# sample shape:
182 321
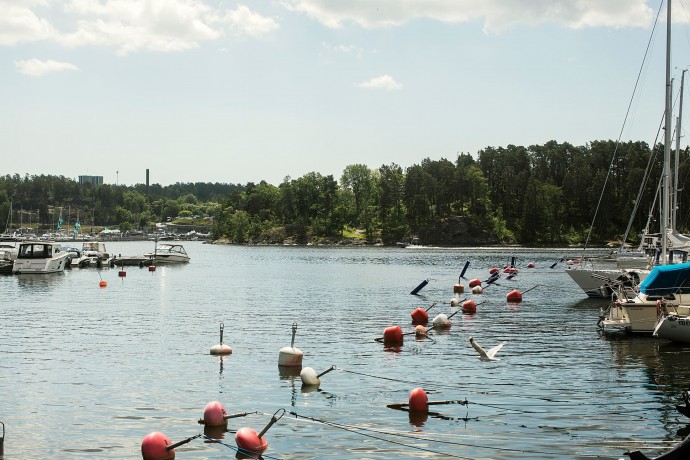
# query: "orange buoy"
419 316
475 282
248 439
469 306
419 331
493 270
153 447
510 270
103 283
458 289
514 296
418 401
393 335
214 414
531 265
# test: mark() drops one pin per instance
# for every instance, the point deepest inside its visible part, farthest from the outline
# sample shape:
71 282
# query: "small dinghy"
680 452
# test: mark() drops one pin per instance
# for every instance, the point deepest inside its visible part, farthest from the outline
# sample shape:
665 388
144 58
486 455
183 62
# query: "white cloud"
38 68
19 23
382 82
128 25
497 14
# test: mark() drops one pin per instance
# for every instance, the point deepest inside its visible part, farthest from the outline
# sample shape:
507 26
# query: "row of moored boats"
39 257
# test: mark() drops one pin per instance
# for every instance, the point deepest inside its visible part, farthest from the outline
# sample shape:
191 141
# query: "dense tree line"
541 194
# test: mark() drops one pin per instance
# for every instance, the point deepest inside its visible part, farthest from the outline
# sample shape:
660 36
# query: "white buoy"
221 348
290 356
454 302
477 290
441 320
311 378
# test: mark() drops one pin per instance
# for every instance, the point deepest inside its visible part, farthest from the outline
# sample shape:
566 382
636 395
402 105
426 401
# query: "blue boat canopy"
667 279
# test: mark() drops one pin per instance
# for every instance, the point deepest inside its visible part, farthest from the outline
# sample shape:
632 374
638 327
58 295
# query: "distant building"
93 180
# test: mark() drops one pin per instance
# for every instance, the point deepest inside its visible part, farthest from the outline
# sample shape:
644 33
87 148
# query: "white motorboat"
40 257
95 250
168 253
674 324
661 293
603 282
10 251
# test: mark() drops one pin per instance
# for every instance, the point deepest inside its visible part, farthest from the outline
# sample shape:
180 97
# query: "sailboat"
667 286
660 248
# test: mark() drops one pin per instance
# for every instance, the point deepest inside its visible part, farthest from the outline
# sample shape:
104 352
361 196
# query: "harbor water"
88 372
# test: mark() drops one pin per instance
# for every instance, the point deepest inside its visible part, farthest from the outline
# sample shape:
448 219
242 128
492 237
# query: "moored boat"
40 257
636 310
168 253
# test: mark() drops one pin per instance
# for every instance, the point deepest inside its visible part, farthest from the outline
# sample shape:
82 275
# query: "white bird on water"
486 355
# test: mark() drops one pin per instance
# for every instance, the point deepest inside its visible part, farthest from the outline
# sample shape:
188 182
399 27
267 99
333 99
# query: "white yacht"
95 250
661 293
674 324
168 253
40 257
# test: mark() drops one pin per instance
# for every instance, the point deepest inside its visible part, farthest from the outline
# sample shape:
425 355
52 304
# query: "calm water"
87 372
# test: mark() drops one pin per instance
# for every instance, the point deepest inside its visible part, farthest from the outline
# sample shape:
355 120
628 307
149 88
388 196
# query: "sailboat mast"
674 205
666 174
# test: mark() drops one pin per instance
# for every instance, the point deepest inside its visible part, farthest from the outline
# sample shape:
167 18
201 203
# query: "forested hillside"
542 194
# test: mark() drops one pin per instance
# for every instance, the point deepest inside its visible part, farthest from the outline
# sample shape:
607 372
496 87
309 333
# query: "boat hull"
673 328
594 281
40 266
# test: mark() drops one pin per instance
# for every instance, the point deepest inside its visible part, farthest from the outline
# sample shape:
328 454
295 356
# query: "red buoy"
153 447
103 283
418 401
531 265
393 335
152 268
419 316
469 306
458 289
510 270
248 439
493 270
122 273
214 414
475 282
514 296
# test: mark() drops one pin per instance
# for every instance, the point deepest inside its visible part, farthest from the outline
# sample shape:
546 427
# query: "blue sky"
225 91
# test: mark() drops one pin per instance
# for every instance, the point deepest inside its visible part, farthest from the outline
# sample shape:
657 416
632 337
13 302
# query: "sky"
237 92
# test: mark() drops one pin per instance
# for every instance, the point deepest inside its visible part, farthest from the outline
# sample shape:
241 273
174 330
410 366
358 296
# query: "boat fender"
658 307
154 447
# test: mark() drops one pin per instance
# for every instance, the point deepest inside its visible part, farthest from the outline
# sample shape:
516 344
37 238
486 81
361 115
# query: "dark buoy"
122 273
464 269
419 288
